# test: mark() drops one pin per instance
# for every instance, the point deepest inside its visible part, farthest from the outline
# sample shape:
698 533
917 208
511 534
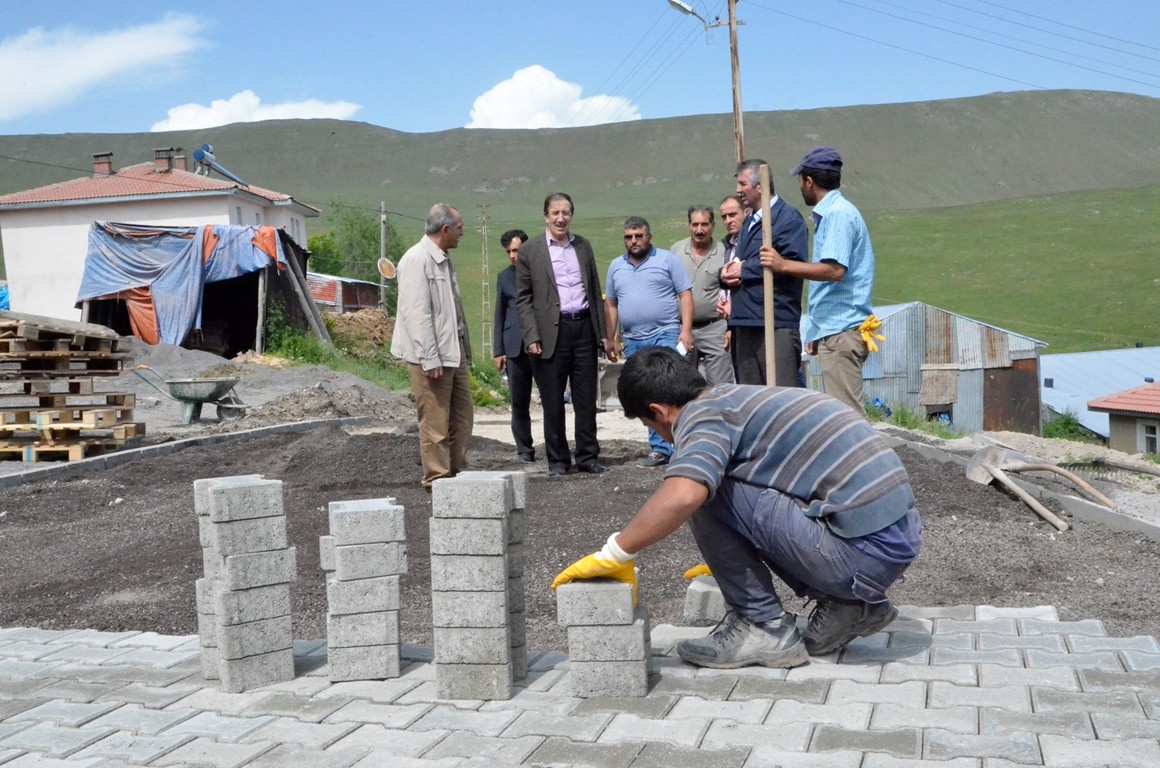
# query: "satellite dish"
386 268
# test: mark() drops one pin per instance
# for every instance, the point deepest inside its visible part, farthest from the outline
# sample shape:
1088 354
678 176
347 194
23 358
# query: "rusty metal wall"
968 409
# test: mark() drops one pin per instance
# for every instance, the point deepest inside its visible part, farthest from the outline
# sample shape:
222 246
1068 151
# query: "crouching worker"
770 479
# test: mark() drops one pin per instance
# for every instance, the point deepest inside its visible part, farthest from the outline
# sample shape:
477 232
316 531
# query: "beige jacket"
429 319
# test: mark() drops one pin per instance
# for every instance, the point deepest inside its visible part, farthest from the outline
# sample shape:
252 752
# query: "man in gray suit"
561 312
507 346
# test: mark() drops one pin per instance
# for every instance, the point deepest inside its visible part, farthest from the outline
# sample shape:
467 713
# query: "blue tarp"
172 265
3 297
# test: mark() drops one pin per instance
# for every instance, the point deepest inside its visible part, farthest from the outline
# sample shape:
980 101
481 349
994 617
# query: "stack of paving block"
609 643
49 408
704 603
364 555
243 602
477 596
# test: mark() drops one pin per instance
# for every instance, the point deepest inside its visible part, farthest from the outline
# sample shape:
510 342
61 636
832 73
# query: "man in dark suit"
507 345
744 278
561 312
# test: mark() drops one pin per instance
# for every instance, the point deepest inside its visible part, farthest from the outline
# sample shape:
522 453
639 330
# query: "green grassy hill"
954 191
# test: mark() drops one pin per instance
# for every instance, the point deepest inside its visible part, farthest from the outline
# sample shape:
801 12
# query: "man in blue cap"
840 324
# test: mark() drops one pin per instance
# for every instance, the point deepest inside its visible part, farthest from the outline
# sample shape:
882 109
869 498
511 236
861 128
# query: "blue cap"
820 159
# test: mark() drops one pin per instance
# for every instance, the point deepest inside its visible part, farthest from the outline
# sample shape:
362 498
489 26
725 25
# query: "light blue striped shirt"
841 236
798 442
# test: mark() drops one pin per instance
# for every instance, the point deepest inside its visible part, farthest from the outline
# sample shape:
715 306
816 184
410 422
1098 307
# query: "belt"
703 323
581 315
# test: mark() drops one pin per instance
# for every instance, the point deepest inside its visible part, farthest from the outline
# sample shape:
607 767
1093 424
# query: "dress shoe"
559 471
592 468
528 458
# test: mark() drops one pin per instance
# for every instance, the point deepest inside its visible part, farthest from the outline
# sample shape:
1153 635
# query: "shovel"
986 465
1017 462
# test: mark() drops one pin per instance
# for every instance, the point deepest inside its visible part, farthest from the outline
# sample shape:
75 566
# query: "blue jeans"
631 347
746 531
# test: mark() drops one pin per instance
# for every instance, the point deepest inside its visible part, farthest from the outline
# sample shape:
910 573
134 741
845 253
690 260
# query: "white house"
45 230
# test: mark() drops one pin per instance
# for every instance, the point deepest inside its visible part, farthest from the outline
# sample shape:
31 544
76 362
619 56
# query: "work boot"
736 642
834 623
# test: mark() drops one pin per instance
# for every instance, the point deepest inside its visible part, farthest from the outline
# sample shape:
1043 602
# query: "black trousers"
572 363
749 355
519 375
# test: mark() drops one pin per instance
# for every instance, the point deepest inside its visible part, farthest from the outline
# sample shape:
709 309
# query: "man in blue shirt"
650 295
841 277
772 480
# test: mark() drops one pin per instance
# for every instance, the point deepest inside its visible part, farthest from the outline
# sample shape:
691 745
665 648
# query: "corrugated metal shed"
1078 377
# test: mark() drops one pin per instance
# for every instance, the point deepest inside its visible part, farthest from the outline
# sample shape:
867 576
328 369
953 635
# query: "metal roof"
1079 377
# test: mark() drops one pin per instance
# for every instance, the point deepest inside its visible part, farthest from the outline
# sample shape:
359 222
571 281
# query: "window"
1149 436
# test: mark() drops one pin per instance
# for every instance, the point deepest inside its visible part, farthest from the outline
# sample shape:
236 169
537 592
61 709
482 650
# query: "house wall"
1122 433
45 248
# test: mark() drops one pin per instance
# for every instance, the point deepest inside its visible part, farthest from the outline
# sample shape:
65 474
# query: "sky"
126 66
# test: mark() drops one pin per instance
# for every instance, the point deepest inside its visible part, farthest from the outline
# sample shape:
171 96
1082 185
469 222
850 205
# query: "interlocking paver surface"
951 687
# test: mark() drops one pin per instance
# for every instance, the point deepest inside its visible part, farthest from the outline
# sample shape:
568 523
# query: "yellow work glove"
697 570
867 329
611 562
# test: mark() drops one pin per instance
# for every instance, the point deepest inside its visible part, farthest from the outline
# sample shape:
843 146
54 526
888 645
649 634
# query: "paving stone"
367 521
443 717
625 642
93 637
1117 728
396 741
1043 642
1085 627
472 645
561 751
259 569
362 629
215 726
470 609
962 640
34 635
288 729
133 718
1013 698
388 715
154 658
713 688
694 707
724 734
845 715
878 760
254 638
77 691
379 758
1141 643
203 751
73 714
1095 660
26 651
822 670
363 595
294 756
626 727
1102 680
1062 751
427 692
14 706
460 536
474 681
541 723
609 678
999 722
468 573
1017 746
866 653
54 741
1141 662
241 606
960 674
1040 612
473 494
893 716
97 673
486 748
378 691
912 694
238 537
990 626
772 757
651 708
91 654
806 691
132 748
595 602
903 742
524 699
667 755
1007 657
1115 702
1064 678
249 672
154 641
301 708
218 701
243 497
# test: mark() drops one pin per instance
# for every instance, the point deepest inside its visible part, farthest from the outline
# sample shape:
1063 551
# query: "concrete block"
201 490
261 534
205 589
469 609
478 645
460 536
468 573
360 629
238 675
241 606
363 595
366 521
517 526
207 635
244 498
204 526
472 494
326 553
515 557
591 679
490 682
704 603
209 662
519 662
518 480
376 662
515 594
255 638
518 628
624 642
366 561
211 564
594 602
258 569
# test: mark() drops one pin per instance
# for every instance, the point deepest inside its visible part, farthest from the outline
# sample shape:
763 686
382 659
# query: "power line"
1069 26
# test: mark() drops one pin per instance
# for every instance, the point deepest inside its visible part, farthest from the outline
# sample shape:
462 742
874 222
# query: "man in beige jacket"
431 337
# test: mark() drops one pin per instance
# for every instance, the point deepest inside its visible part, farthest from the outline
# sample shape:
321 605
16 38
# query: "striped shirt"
841 236
800 443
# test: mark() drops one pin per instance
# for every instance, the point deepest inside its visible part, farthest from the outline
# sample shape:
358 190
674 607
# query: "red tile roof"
1143 400
134 181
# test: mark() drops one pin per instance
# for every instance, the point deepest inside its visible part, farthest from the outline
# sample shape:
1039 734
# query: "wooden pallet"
28 452
15 403
54 367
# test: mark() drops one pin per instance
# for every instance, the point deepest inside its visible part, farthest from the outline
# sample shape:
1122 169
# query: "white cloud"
247 107
44 69
535 98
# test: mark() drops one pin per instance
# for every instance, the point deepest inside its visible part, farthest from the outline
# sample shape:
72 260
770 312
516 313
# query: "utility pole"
485 274
382 254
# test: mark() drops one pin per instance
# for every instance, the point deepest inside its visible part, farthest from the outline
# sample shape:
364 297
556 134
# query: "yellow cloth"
867 329
594 567
697 570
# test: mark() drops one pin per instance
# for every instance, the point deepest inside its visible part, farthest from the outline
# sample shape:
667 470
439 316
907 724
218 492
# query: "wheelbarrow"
192 394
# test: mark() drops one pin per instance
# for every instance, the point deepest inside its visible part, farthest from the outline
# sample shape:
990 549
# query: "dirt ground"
118 549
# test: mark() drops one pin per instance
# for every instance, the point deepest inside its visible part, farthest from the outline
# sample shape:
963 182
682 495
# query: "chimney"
103 164
179 162
163 158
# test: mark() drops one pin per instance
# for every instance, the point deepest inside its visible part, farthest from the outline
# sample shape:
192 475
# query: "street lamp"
738 122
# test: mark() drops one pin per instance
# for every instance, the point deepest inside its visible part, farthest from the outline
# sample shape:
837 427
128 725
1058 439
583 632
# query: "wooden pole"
735 61
767 282
260 331
382 253
309 308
